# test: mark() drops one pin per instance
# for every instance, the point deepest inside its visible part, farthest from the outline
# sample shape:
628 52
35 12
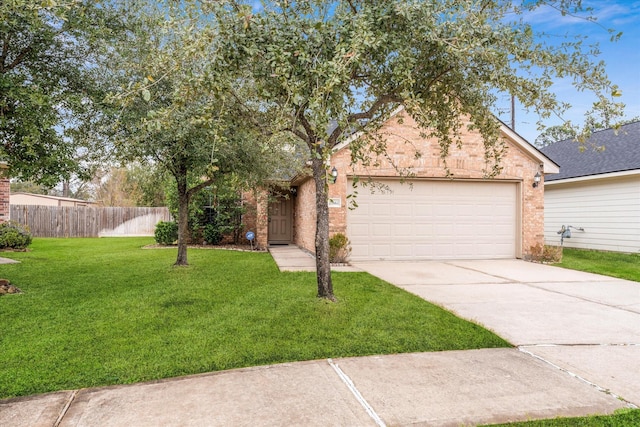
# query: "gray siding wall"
608 210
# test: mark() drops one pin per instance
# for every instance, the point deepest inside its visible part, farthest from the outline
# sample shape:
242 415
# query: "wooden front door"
281 221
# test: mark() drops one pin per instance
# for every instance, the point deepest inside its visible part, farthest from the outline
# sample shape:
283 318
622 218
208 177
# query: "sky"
622 59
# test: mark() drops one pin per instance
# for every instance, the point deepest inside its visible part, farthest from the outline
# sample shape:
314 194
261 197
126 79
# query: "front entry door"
280 221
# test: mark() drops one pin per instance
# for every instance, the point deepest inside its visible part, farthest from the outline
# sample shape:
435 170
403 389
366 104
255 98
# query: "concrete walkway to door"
292 258
585 324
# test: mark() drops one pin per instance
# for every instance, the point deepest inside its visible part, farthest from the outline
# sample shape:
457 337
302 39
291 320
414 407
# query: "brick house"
429 216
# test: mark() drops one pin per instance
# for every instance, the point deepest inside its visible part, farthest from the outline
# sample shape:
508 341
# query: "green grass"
621 418
104 311
615 264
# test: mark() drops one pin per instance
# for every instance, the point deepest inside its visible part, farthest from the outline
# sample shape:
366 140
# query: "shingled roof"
621 153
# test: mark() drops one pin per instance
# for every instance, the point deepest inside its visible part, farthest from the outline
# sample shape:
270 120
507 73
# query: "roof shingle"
621 153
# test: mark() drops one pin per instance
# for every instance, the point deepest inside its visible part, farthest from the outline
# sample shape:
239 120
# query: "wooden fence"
67 221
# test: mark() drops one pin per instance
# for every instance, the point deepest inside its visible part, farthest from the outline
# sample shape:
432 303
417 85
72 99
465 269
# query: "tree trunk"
66 188
183 219
323 267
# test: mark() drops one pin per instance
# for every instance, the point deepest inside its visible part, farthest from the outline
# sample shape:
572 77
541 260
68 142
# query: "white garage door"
434 220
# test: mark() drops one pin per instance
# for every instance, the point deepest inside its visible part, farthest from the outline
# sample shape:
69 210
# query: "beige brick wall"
403 141
256 217
304 216
4 199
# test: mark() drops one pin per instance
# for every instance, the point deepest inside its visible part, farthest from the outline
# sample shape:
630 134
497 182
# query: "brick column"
4 194
262 218
256 217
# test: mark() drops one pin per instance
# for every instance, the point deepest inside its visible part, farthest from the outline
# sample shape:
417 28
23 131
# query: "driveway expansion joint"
617 307
576 376
352 387
506 279
64 410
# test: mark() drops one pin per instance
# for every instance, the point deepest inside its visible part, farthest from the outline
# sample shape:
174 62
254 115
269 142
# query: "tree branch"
353 8
299 134
5 51
19 58
250 116
200 186
310 134
353 118
436 78
333 138
377 105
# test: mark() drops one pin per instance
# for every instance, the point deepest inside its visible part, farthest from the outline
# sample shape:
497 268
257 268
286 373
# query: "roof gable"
548 165
621 153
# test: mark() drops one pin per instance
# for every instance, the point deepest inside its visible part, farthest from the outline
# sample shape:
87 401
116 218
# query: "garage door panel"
423 249
359 230
467 230
380 250
420 209
435 220
382 230
403 250
402 230
443 250
442 229
403 209
421 229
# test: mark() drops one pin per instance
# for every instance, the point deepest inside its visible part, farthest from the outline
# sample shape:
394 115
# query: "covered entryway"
435 219
281 221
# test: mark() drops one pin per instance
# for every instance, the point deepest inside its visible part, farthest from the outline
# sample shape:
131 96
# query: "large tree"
50 83
335 67
180 105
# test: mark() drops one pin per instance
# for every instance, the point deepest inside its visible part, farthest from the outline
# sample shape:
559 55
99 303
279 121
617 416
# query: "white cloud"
607 14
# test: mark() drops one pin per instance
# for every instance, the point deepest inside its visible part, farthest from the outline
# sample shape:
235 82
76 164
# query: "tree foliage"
130 185
334 67
554 134
180 106
563 132
50 83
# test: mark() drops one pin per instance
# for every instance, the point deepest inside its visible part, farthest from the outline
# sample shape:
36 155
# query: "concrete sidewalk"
438 389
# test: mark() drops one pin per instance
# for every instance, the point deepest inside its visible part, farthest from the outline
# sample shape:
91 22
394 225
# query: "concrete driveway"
586 324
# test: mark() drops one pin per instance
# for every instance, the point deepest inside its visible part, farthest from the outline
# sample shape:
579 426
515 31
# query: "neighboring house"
597 190
433 216
44 200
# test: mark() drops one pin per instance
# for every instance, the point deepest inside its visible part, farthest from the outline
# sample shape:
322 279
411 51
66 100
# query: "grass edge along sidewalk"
620 418
97 312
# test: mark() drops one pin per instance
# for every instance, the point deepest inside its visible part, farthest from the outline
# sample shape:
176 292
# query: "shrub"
218 204
14 236
166 232
339 249
212 234
546 254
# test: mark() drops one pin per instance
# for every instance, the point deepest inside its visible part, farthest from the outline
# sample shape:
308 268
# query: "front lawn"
615 264
104 311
